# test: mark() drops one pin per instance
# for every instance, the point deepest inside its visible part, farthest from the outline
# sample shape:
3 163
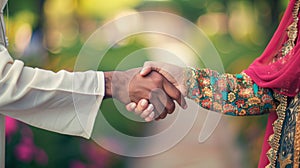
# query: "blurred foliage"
50 33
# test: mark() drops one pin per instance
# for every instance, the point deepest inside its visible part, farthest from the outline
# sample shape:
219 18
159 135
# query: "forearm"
63 102
229 94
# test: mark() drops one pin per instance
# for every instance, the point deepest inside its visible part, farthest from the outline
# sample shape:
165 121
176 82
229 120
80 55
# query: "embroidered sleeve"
231 94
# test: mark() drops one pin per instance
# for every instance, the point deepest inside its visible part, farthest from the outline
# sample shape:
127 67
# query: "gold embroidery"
277 127
297 138
292 32
207 91
231 97
285 161
254 100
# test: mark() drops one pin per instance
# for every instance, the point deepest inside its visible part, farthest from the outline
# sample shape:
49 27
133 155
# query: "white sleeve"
62 102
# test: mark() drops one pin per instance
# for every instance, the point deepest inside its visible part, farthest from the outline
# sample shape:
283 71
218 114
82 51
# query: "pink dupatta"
283 76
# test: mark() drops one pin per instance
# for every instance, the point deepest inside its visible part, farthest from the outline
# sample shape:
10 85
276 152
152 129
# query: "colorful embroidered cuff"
231 94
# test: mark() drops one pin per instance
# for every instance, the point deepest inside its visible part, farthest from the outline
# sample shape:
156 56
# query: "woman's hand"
130 86
174 74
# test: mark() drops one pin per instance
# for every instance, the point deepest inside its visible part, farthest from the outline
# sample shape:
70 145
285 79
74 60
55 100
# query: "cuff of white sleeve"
101 84
100 91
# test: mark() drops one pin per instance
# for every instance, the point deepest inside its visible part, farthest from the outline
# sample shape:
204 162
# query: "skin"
174 74
131 86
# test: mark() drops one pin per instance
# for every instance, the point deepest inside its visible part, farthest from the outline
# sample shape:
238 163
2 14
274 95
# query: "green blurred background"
50 33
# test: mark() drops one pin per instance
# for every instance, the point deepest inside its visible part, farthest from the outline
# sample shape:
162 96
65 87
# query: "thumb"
151 66
145 70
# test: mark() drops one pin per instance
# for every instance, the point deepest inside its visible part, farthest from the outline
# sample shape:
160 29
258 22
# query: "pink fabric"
283 76
264 161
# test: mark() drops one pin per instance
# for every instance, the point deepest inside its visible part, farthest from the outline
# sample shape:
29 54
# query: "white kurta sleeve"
62 102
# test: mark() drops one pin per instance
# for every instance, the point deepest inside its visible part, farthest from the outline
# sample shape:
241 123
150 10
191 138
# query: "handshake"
149 91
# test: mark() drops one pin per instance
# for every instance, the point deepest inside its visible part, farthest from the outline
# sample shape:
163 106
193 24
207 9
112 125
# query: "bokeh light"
50 33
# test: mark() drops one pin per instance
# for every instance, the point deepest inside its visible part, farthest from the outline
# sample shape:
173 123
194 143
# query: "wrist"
116 85
108 84
190 80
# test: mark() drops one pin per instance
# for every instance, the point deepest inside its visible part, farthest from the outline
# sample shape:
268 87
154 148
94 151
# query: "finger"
150 66
159 108
163 104
170 83
161 116
131 106
169 105
150 117
158 67
174 93
145 70
141 106
148 111
164 115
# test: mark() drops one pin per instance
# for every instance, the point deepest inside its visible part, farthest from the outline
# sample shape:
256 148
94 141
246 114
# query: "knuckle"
137 111
171 108
163 115
146 113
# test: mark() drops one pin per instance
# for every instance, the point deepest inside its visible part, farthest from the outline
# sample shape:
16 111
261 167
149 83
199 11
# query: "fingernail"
142 71
152 115
144 102
132 106
150 107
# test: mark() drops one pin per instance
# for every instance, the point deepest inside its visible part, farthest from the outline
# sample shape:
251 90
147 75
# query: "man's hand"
130 86
174 74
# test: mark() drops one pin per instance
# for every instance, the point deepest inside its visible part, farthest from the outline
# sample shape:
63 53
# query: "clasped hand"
151 91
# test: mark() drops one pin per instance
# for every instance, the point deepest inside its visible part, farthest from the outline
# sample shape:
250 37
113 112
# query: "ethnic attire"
270 85
63 102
